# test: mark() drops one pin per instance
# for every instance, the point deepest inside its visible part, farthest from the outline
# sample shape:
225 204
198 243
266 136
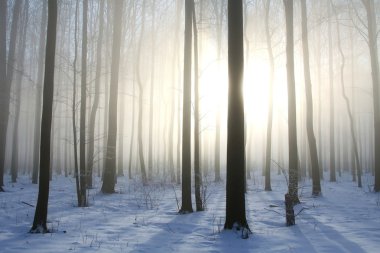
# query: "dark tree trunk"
82 129
110 169
235 197
268 153
197 132
95 104
5 91
38 108
40 216
17 87
186 118
309 105
292 111
3 78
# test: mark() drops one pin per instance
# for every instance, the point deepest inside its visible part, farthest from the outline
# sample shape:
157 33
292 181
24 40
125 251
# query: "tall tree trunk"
40 216
18 84
75 138
152 80
197 132
83 102
332 108
309 105
372 43
141 95
110 169
38 107
292 111
268 157
95 104
218 116
5 91
186 117
348 107
178 20
3 77
235 197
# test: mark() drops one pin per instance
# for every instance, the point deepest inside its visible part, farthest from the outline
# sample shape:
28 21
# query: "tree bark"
95 104
292 111
197 132
268 152
40 216
110 169
235 197
5 91
316 190
17 87
83 102
186 117
372 43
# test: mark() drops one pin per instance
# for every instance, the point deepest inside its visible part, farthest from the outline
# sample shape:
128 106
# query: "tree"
309 104
17 88
40 216
372 44
109 181
5 92
141 94
197 132
95 103
3 70
332 110
186 117
235 192
348 107
38 108
292 112
82 128
268 153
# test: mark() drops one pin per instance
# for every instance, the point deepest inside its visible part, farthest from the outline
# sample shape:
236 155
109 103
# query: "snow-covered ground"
144 219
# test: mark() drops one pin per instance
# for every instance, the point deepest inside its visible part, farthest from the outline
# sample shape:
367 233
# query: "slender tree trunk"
3 78
95 104
110 169
5 91
332 108
152 80
40 216
197 132
120 159
235 197
18 84
186 117
309 105
75 138
292 111
141 95
348 107
372 43
83 102
268 157
218 116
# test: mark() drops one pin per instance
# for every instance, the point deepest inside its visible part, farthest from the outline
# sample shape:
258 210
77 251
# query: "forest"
187 125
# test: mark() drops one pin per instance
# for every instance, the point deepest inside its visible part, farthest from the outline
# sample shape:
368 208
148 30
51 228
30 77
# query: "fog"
151 62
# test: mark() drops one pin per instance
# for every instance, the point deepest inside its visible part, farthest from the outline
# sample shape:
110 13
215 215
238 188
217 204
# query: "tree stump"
290 218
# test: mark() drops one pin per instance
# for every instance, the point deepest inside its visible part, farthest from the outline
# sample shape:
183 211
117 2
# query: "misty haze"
189 126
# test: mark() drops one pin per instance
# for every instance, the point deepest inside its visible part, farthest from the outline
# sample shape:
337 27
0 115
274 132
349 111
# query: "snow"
144 219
